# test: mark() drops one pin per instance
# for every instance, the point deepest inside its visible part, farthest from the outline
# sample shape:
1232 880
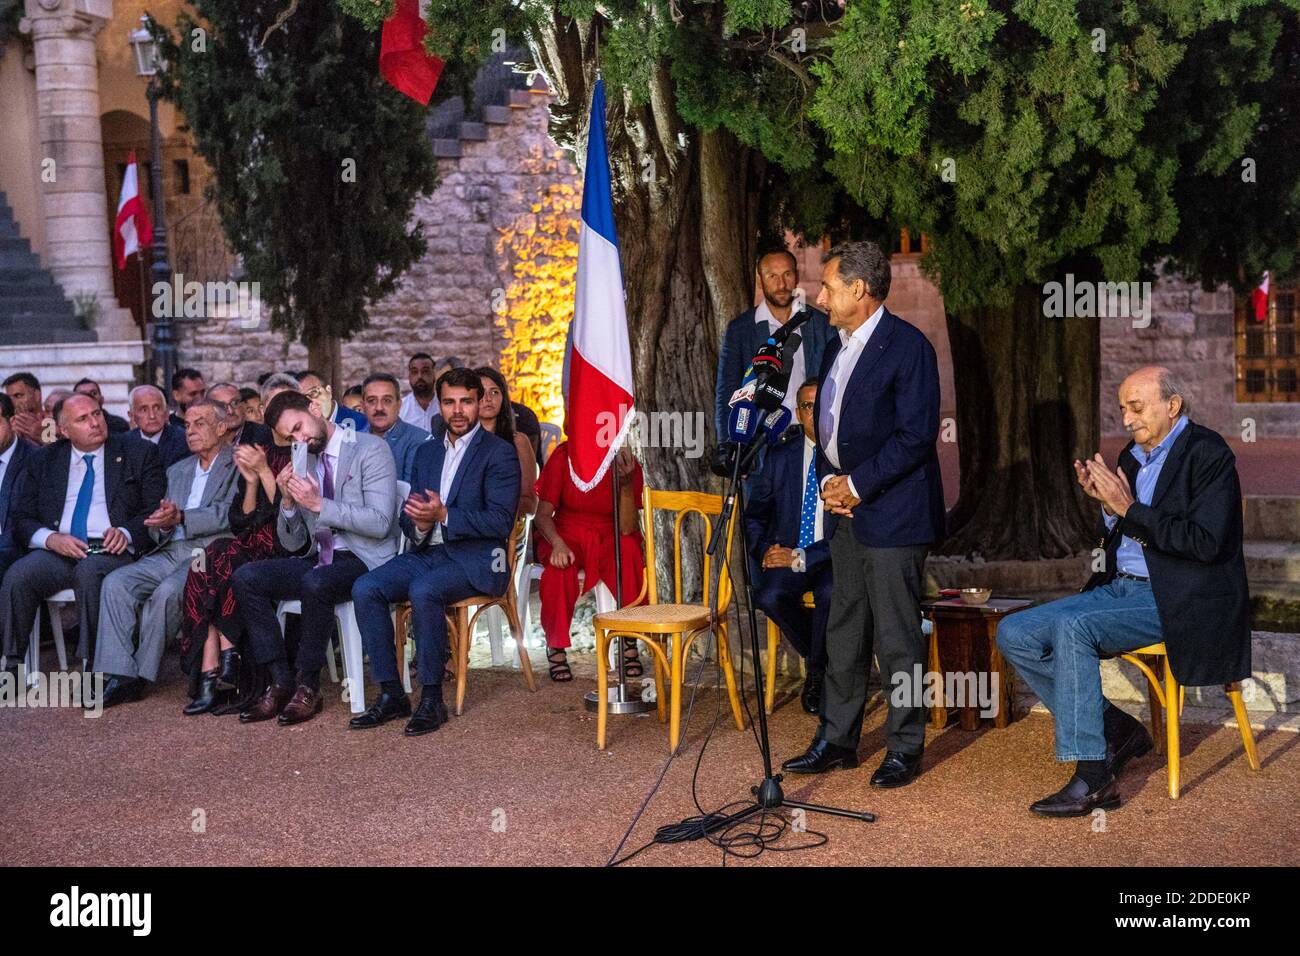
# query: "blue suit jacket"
23 451
404 439
342 413
742 339
889 423
775 505
481 506
172 446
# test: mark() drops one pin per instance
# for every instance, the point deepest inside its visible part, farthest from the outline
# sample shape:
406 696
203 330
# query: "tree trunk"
685 207
325 356
1026 389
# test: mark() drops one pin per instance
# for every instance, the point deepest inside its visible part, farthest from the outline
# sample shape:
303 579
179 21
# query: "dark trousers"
876 604
779 594
260 586
430 580
42 574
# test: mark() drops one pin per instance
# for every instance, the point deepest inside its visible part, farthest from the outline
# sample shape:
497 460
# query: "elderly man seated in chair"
1171 527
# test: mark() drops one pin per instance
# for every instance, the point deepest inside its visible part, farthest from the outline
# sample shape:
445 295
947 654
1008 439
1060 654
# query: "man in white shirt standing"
145 596
419 408
80 507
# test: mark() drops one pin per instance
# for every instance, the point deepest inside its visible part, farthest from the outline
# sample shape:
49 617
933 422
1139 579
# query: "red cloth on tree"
402 57
585 520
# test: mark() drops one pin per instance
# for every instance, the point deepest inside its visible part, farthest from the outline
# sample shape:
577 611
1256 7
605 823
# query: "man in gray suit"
147 592
342 502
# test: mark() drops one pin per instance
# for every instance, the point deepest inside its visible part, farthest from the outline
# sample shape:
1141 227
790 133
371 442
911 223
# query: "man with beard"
187 386
419 408
778 275
343 504
465 490
24 390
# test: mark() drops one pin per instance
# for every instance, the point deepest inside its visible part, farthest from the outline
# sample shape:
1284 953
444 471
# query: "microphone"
784 332
742 422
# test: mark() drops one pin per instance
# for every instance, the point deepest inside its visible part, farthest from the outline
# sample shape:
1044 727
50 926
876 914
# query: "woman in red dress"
575 533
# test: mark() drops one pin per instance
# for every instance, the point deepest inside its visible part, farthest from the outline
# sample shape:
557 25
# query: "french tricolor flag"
600 402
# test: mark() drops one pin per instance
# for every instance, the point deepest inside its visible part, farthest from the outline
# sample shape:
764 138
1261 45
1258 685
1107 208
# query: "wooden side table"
966 637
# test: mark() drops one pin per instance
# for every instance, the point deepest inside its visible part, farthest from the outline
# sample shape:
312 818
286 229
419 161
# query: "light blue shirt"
1130 558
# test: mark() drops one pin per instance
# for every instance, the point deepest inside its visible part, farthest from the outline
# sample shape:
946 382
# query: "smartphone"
300 459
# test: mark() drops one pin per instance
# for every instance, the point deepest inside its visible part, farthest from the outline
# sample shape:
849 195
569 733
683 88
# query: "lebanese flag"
1259 300
599 407
403 61
132 230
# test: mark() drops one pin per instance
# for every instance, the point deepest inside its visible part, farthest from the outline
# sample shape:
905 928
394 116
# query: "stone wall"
453 302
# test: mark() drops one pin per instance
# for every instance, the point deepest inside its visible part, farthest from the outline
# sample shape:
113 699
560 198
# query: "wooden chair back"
685 503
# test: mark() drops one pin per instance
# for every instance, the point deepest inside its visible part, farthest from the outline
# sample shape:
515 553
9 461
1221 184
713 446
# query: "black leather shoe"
811 698
820 757
1076 800
386 708
120 690
228 670
896 770
1135 743
429 715
206 698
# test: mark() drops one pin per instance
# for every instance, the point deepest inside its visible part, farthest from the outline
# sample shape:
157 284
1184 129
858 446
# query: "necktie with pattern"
325 536
808 515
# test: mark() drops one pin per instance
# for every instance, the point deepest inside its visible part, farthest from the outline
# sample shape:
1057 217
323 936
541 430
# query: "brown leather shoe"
304 705
267 706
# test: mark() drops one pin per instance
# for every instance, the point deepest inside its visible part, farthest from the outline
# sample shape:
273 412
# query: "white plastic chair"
33 658
522 584
551 436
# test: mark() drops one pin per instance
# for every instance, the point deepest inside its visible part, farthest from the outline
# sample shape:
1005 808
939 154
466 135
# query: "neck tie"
81 513
325 536
808 516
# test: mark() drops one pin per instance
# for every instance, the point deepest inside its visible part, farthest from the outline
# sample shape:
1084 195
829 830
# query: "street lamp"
148 63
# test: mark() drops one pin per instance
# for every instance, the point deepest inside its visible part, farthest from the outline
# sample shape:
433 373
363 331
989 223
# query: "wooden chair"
669 629
460 624
1167 704
773 642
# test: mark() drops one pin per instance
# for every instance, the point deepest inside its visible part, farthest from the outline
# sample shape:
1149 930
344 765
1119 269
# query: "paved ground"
518 780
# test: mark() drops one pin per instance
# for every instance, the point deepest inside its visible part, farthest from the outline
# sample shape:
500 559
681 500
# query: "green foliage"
281 125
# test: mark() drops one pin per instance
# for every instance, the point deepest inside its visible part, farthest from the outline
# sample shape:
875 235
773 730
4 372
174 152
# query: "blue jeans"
1057 647
430 580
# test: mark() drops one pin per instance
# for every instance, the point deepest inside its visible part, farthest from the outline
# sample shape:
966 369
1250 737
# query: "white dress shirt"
799 367
419 417
5 458
156 437
454 455
841 371
197 487
97 522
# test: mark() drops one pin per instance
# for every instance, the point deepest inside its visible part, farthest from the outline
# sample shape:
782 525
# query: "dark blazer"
134 484
343 414
255 433
889 423
116 423
172 446
739 343
481 505
1191 535
23 453
775 505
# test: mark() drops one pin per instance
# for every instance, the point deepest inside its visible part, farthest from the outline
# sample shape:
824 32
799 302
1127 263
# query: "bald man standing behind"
1170 523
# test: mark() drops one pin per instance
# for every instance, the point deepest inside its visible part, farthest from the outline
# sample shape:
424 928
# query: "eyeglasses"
317 392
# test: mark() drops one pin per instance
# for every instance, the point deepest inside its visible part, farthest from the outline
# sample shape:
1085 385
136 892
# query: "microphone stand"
768 795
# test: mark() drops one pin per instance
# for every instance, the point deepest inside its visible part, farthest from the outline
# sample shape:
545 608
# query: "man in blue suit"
14 454
381 397
877 422
313 385
457 521
787 528
149 413
778 274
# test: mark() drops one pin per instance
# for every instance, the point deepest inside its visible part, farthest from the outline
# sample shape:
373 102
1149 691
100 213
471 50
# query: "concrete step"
51 305
48 335
1272 518
28 283
1277 561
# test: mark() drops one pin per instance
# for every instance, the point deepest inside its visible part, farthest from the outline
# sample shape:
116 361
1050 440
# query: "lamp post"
148 59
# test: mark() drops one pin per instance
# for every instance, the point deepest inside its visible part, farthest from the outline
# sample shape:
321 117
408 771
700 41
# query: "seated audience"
80 505
15 452
313 386
788 530
354 399
1171 526
420 408
140 604
239 431
345 506
273 385
212 629
458 519
382 395
187 386
575 533
90 387
149 412
50 410
251 400
496 396
29 419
